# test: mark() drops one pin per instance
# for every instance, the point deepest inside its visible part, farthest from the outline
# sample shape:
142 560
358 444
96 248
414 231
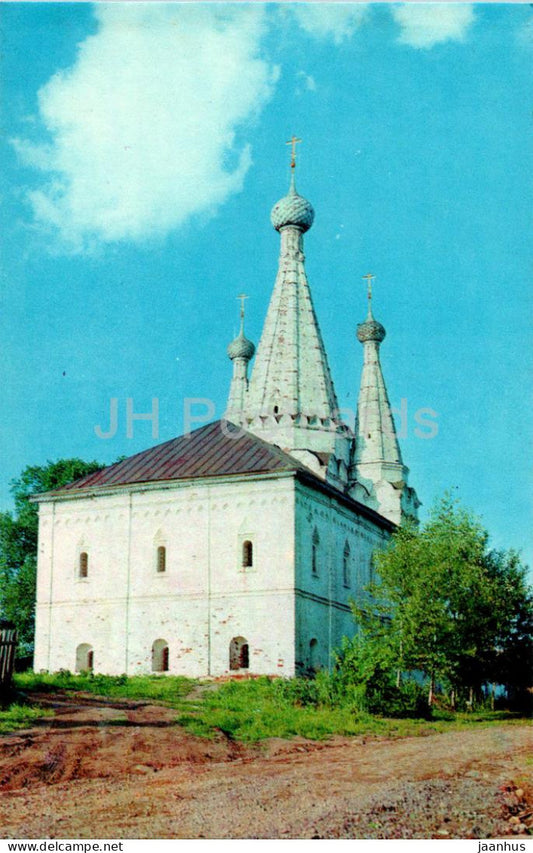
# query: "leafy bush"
322 690
406 700
365 676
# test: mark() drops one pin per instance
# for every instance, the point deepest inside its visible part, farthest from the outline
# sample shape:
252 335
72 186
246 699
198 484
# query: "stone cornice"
346 501
158 485
320 599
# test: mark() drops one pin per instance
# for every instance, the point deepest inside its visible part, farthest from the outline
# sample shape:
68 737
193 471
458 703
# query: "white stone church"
238 547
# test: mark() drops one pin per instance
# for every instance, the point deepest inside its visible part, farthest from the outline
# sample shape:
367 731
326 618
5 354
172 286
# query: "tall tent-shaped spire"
291 374
291 400
379 477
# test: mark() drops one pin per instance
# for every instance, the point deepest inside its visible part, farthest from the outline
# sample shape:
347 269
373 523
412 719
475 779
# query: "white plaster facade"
205 597
346 542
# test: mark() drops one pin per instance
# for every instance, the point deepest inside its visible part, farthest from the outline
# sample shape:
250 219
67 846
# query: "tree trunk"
452 699
431 695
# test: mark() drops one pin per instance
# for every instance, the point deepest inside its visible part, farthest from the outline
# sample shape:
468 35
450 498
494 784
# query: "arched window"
314 552
161 558
83 566
247 554
239 653
346 574
160 656
84 658
159 543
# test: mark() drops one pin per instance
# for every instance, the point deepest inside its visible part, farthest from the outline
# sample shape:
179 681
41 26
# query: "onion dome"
241 347
370 330
292 209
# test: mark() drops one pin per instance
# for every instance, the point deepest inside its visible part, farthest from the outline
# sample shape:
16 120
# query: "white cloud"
308 82
423 25
336 21
143 126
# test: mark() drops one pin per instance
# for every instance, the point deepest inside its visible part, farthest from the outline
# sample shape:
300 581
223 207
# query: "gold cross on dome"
293 141
242 297
369 278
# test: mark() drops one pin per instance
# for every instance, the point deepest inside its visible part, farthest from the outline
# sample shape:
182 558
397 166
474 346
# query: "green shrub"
406 700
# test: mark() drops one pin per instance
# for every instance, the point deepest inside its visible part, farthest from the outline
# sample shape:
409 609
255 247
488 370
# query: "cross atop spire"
369 278
293 141
242 297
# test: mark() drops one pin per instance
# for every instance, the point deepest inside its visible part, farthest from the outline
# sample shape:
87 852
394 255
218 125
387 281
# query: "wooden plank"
8 645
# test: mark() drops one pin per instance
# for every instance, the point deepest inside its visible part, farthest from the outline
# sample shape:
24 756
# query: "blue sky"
143 148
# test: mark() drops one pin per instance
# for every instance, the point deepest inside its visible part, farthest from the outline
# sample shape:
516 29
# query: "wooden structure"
8 645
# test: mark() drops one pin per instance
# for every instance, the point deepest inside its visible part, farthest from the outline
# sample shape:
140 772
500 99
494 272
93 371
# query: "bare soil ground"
117 769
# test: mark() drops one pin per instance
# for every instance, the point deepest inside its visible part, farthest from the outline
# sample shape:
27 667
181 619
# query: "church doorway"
160 656
239 653
84 658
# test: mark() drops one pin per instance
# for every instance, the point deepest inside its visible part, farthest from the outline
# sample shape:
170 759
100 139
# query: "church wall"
202 600
92 609
257 602
42 607
72 610
339 536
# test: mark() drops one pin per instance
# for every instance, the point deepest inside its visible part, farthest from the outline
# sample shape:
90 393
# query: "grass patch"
261 708
168 689
254 709
17 716
271 720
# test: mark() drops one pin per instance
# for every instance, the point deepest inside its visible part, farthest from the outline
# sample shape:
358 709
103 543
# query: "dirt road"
118 769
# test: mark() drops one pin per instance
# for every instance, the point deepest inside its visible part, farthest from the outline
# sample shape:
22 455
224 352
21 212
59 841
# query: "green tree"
18 542
447 606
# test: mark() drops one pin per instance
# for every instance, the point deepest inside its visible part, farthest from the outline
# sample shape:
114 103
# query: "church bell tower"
290 400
